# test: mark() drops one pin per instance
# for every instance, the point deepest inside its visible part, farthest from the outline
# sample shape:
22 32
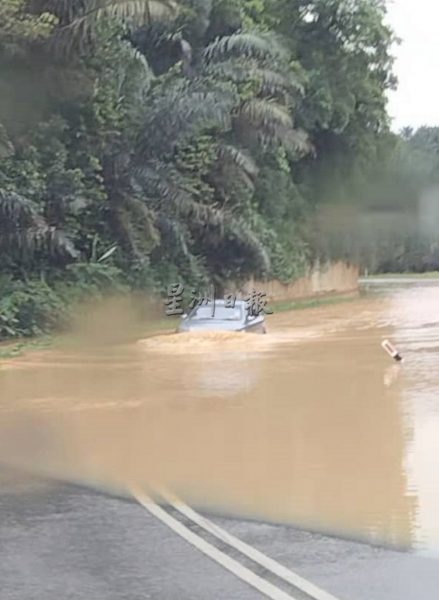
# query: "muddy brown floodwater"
311 425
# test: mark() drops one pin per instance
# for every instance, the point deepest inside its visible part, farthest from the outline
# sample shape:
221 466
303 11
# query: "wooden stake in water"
392 351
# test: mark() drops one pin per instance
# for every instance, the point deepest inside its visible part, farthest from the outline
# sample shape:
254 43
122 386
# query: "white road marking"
261 585
255 555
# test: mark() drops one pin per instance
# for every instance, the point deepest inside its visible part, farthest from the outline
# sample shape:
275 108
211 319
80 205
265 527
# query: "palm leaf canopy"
75 13
16 210
6 146
240 158
24 232
134 12
271 82
181 113
248 45
81 18
266 115
169 195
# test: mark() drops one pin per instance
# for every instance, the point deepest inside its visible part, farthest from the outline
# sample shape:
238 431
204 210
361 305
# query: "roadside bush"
29 308
35 307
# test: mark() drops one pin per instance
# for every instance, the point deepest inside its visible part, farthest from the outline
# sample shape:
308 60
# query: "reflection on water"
311 425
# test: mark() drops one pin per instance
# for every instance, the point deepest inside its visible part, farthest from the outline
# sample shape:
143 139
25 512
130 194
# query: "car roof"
223 302
239 304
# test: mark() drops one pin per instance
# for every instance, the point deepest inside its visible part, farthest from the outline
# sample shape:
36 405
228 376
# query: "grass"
14 349
287 305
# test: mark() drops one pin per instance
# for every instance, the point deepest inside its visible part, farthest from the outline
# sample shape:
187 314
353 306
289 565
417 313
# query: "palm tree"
74 14
24 232
240 89
80 19
212 100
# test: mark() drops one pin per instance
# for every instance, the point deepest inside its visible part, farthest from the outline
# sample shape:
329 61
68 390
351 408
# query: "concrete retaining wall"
323 280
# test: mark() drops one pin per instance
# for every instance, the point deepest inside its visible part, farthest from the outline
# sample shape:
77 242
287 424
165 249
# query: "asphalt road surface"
65 542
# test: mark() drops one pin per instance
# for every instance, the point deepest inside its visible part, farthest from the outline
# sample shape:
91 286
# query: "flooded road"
311 425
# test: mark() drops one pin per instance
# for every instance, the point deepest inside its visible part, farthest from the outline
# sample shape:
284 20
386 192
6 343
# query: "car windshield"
221 313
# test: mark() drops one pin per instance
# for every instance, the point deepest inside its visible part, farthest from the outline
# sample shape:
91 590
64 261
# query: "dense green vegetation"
143 142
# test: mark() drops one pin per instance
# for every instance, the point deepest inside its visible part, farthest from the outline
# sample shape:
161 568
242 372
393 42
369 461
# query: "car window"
221 313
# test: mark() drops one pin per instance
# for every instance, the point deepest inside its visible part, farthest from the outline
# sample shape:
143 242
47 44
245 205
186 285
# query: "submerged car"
219 317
